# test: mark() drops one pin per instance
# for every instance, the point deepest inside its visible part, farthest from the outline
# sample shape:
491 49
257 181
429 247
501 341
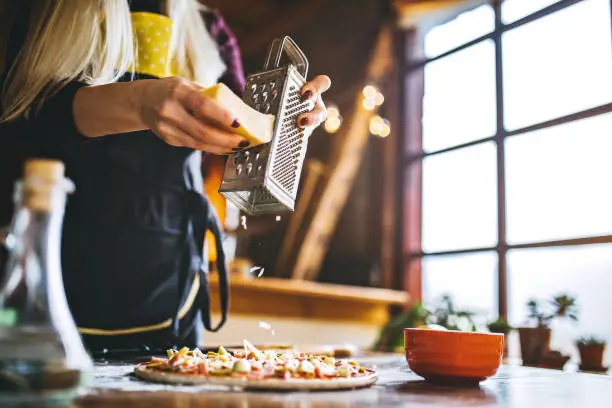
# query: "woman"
130 124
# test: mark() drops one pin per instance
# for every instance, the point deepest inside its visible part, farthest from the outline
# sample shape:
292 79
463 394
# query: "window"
514 154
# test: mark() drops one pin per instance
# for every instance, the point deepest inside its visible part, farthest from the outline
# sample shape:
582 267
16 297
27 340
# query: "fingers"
314 88
204 133
314 117
207 108
175 136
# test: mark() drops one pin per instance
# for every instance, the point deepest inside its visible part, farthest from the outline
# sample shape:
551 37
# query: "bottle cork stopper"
41 179
47 170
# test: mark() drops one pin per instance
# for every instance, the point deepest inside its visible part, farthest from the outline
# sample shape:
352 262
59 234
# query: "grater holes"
290 145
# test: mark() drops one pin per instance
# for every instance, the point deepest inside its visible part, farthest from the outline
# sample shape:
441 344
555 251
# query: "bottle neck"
33 279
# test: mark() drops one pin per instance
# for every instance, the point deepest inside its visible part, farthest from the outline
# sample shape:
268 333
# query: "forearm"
109 109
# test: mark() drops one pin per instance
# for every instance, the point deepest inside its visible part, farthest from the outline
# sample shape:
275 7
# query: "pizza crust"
269 384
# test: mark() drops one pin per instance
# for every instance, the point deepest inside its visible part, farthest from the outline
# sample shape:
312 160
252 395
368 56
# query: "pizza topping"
343 371
255 364
242 366
306 367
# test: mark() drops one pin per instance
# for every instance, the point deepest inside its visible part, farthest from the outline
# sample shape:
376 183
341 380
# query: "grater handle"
294 52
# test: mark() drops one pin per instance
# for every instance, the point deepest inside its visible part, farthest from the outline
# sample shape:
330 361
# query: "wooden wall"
337 36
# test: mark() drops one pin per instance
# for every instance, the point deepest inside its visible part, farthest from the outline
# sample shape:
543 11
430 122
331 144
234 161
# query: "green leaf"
8 317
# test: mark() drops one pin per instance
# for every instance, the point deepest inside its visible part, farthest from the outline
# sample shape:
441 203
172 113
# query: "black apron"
133 237
133 241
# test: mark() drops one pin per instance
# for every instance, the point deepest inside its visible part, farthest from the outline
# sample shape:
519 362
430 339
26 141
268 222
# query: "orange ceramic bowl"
453 356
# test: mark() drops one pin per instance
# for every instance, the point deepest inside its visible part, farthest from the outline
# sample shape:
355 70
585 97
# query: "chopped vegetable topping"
255 364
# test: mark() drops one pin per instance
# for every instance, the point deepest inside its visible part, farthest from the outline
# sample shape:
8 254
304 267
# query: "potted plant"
501 326
447 315
591 351
535 341
391 337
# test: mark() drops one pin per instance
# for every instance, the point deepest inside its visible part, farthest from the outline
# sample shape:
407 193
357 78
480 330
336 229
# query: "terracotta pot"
591 357
505 355
535 343
554 360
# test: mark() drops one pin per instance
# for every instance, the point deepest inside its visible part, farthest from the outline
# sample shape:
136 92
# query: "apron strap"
214 226
201 218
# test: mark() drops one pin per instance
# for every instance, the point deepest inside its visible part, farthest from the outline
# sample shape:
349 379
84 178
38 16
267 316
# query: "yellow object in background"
255 126
152 33
214 167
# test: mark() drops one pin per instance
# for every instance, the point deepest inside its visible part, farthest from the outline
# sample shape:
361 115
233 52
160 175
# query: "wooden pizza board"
267 384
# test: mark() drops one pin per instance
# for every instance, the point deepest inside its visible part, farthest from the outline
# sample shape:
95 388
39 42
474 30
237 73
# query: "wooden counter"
397 386
310 300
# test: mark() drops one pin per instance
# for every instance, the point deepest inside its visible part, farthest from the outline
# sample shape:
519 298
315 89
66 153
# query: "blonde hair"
91 41
194 52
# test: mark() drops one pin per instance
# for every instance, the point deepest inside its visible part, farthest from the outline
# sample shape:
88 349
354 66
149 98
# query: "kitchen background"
472 139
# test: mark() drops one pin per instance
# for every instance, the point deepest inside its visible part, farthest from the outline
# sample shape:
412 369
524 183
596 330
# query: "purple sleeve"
230 54
229 50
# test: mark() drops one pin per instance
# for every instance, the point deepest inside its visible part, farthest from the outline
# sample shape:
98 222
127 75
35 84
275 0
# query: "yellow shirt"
153 35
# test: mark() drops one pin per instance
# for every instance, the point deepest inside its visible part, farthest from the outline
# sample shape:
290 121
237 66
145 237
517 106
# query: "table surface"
513 386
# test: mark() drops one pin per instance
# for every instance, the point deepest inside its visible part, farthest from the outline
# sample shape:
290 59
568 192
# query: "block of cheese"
255 126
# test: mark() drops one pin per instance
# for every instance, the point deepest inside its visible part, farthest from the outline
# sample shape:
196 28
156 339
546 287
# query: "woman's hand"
173 108
176 110
312 91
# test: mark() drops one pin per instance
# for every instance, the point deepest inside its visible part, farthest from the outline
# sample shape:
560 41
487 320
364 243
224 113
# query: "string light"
333 121
379 126
379 99
369 91
376 124
372 97
385 131
332 124
332 111
368 104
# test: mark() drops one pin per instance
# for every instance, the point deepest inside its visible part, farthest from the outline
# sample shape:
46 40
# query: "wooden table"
512 387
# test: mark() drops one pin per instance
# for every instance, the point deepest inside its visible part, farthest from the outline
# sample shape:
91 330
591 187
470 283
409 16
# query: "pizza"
254 368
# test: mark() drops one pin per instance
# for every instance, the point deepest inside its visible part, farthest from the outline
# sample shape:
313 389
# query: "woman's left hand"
312 91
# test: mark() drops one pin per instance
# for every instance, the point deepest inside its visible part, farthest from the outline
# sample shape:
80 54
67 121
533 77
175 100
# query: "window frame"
411 154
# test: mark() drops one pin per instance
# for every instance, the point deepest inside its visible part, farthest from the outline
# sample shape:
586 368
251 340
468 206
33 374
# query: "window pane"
558 65
471 280
459 100
584 272
557 181
459 199
513 10
465 27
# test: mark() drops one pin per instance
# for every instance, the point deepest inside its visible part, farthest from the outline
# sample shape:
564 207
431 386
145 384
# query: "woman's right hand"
175 110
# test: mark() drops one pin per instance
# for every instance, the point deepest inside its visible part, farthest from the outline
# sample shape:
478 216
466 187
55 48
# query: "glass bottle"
42 357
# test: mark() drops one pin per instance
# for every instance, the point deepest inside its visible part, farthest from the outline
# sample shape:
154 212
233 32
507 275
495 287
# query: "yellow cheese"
255 126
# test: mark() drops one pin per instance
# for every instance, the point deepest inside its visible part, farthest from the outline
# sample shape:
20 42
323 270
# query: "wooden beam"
412 13
345 166
413 183
392 173
314 177
288 21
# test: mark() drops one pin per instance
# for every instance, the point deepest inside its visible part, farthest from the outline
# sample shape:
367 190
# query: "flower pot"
535 343
554 360
505 355
591 356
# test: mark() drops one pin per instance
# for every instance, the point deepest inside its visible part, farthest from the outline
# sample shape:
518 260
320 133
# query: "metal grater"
265 178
